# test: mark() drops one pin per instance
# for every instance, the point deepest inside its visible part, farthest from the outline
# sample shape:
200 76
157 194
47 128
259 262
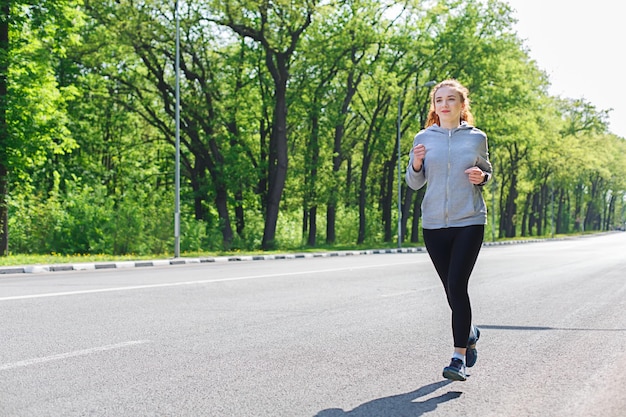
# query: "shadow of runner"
401 405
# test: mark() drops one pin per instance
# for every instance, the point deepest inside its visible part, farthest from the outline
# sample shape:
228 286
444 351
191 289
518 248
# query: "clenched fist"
419 153
476 175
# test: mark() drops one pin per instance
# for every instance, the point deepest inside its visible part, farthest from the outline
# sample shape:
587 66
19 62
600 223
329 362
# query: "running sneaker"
455 371
472 354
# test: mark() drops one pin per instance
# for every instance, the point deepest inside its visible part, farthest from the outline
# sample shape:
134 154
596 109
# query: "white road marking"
176 284
398 294
67 355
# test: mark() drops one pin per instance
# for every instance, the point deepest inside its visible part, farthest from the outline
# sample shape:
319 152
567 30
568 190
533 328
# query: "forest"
295 122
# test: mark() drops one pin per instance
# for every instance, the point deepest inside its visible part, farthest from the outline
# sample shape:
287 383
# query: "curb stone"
35 269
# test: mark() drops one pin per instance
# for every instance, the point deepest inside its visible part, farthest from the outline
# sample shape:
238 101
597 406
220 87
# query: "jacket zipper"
447 198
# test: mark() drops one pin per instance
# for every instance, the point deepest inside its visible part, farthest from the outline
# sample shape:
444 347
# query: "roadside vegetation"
290 117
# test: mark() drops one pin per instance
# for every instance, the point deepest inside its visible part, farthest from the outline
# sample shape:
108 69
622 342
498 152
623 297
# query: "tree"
4 131
146 37
33 119
277 28
339 69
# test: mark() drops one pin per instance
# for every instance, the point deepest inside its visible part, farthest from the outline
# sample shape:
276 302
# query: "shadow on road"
503 327
401 405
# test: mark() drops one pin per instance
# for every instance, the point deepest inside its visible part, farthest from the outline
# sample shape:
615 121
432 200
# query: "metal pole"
494 189
552 208
399 134
177 170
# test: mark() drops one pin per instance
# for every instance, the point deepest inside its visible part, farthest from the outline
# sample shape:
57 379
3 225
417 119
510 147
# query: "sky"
580 44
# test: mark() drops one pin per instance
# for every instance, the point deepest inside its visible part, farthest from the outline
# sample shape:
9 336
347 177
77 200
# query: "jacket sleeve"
483 161
415 180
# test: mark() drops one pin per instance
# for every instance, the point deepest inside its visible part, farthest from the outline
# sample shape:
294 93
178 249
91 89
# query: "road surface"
351 336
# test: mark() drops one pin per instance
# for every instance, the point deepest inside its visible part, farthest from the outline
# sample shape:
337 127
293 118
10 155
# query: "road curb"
35 269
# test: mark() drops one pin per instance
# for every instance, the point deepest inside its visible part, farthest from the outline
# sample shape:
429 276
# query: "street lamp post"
493 208
398 140
551 208
177 162
399 135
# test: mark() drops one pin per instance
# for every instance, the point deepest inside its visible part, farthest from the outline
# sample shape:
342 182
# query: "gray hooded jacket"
450 199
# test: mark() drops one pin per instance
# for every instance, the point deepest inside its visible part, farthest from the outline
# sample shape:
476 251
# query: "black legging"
454 251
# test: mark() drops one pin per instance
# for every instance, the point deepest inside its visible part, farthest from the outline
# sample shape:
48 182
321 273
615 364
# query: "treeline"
295 117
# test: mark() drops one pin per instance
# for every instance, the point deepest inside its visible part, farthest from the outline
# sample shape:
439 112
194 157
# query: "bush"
85 220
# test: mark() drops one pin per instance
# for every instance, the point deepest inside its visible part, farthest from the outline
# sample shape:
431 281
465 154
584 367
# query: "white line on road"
207 281
398 294
67 355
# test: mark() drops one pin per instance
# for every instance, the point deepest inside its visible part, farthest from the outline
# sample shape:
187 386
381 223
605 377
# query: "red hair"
466 114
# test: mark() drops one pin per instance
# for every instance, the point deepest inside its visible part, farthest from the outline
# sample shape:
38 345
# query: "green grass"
54 258
51 259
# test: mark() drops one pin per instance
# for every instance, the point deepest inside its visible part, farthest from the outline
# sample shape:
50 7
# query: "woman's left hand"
476 175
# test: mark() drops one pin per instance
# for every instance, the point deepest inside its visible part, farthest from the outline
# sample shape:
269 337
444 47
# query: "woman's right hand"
419 153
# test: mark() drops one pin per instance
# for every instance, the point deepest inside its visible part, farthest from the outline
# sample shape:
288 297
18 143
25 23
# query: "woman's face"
448 106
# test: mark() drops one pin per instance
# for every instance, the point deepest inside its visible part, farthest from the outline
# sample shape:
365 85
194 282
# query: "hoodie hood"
436 128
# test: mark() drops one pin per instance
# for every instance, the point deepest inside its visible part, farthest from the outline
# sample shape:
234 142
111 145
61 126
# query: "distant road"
353 336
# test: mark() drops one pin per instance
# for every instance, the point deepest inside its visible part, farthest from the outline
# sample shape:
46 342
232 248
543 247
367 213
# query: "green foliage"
37 116
91 110
83 219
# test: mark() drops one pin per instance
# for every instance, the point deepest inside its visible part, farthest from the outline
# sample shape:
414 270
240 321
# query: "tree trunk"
331 209
559 212
406 207
527 227
277 162
578 208
240 220
362 204
4 209
338 157
4 131
417 214
592 217
386 197
369 147
331 218
507 220
535 213
610 213
198 180
310 179
221 203
311 241
261 187
546 208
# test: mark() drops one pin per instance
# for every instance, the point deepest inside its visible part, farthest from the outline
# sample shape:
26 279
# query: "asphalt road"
353 336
